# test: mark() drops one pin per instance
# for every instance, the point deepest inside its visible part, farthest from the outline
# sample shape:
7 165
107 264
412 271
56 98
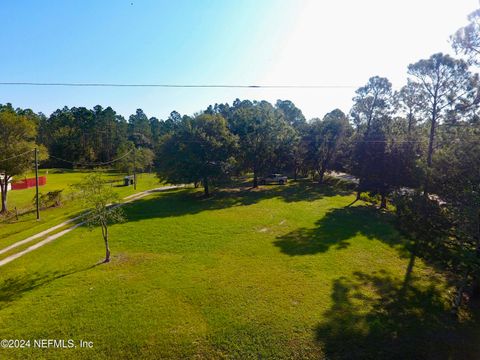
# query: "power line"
16 156
71 162
228 86
92 164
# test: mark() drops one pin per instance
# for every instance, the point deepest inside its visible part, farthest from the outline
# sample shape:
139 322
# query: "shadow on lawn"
190 201
14 288
369 319
336 228
302 190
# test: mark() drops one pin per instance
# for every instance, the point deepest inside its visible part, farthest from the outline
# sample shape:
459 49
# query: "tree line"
418 147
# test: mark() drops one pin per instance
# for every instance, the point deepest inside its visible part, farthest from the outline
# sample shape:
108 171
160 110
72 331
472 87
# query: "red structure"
28 183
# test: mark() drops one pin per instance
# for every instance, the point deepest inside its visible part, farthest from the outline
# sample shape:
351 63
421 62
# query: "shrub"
50 199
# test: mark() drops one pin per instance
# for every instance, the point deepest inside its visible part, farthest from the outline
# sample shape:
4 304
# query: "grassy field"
63 179
58 179
283 272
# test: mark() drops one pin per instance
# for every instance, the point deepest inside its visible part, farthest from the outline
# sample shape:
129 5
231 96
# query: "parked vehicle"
274 179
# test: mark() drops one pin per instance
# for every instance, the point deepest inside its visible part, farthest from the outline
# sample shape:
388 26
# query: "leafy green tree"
293 149
405 152
82 136
107 132
410 101
292 114
200 149
456 179
159 128
17 136
130 157
61 135
392 159
325 136
292 152
261 130
445 227
85 123
222 109
373 159
372 105
139 130
446 85
467 39
100 198
443 82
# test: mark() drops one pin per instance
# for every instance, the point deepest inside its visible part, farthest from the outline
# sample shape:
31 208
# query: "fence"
28 183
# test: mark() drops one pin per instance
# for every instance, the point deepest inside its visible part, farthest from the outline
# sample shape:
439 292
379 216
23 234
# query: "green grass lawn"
63 179
284 272
58 179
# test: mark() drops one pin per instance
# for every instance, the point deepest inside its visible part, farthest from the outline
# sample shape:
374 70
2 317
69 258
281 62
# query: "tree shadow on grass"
337 228
371 319
179 202
13 288
302 190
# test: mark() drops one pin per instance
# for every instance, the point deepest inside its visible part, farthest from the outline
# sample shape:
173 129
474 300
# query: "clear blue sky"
216 42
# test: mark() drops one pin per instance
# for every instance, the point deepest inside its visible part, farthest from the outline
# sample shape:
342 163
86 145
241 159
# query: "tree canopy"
202 150
17 137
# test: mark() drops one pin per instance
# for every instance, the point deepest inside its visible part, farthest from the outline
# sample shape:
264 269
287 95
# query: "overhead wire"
16 156
72 162
92 164
237 86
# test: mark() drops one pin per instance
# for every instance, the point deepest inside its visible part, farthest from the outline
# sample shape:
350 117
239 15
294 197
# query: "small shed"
128 180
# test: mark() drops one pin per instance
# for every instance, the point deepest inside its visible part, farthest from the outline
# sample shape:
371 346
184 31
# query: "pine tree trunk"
255 178
321 175
383 203
3 190
457 302
105 238
426 186
410 123
205 187
359 194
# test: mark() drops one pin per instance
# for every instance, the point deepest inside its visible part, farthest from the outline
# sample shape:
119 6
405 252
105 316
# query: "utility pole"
134 168
36 184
